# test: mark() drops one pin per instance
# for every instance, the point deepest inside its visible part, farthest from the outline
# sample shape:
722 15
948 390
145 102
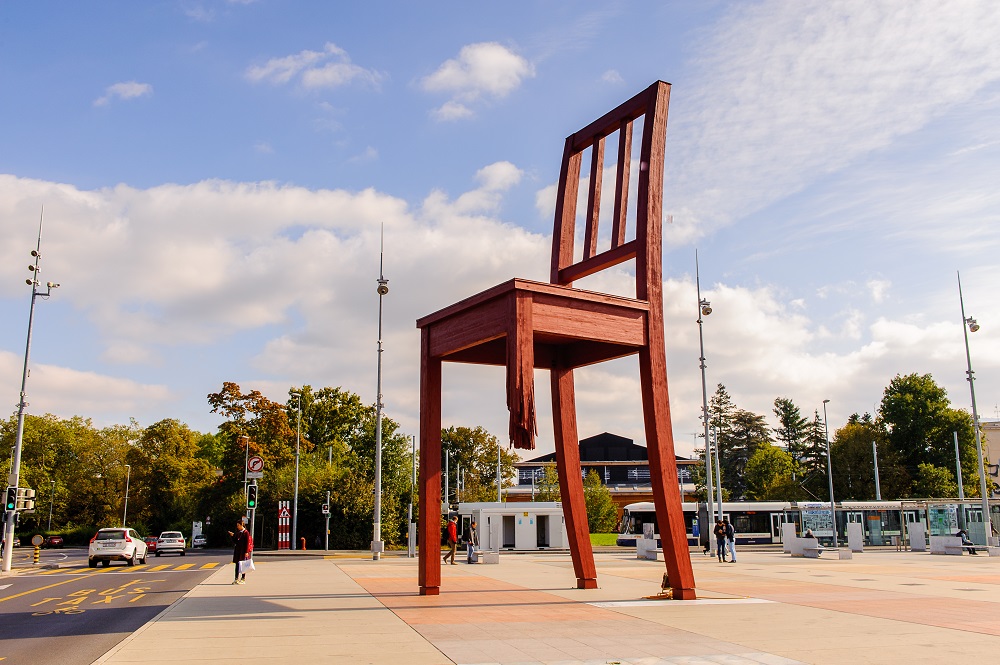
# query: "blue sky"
215 174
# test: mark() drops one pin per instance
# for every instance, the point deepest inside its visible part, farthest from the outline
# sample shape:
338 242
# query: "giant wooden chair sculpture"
524 325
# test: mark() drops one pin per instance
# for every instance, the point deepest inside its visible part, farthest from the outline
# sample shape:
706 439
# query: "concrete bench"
951 545
485 556
811 550
645 548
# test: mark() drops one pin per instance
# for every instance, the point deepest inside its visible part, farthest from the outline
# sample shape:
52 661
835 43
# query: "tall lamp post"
377 545
704 309
295 500
829 472
128 477
969 325
15 465
52 496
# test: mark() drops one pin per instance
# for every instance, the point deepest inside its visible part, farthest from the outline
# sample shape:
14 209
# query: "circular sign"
37 540
255 464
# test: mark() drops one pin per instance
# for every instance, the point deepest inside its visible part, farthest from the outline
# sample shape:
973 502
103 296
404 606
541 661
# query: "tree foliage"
602 513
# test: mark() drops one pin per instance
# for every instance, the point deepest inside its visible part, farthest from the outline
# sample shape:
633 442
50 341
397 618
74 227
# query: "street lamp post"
829 472
704 309
969 325
15 465
52 494
377 545
295 500
128 477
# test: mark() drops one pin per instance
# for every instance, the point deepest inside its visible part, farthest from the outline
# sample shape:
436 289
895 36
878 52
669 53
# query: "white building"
515 526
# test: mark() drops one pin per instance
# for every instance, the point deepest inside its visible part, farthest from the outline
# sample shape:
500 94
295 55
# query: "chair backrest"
651 104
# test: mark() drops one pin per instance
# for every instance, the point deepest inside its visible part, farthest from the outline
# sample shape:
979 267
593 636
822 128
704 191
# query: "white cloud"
124 90
486 69
879 288
329 68
612 76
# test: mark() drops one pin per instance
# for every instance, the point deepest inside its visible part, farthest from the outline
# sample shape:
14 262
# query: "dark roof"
605 447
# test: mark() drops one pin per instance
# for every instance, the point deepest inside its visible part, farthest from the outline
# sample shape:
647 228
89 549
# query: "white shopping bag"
246 565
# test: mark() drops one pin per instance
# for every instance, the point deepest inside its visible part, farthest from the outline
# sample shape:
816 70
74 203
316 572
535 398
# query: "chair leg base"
430 591
586 583
684 594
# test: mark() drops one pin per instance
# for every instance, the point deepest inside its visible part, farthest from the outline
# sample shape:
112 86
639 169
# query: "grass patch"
603 539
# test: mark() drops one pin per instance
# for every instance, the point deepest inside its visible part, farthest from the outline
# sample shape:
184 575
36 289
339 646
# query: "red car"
150 542
53 541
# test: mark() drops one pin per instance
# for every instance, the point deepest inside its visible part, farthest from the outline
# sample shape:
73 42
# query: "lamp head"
973 326
706 307
52 285
35 253
383 286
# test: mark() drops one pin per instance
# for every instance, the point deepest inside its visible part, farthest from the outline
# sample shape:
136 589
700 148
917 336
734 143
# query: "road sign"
284 513
37 540
255 474
255 464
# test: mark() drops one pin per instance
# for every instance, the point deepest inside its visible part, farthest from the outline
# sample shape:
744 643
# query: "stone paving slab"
880 607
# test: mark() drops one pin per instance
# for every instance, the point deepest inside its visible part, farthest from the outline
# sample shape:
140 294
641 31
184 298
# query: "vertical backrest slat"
651 105
621 183
594 199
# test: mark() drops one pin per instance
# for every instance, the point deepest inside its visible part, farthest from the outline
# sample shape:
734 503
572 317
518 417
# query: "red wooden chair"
524 325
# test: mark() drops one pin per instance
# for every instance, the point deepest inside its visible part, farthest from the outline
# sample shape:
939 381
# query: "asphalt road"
73 614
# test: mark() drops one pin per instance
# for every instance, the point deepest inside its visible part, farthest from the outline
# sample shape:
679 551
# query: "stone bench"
807 547
950 545
646 548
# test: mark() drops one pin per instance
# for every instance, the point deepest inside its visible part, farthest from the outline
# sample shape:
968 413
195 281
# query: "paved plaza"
879 607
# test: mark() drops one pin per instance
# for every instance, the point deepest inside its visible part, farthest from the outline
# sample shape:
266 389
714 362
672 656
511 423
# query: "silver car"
170 542
116 545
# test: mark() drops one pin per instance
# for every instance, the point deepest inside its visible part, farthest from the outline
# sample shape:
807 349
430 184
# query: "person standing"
452 539
730 540
241 550
471 542
720 540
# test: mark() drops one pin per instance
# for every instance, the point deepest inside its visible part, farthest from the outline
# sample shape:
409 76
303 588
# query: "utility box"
516 526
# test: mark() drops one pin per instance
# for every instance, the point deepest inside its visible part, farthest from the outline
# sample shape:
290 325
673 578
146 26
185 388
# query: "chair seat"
585 326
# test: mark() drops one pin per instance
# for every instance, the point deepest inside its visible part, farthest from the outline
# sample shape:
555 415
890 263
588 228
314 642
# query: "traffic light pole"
15 466
253 513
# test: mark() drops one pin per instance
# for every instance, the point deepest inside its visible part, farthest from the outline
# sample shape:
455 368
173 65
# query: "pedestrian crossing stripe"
184 566
162 566
79 570
209 566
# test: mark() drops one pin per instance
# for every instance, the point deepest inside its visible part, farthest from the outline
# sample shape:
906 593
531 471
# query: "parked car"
170 542
53 541
199 541
150 542
122 544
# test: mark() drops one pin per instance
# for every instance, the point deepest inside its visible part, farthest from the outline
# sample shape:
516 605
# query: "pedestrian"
242 550
452 539
730 540
471 542
720 540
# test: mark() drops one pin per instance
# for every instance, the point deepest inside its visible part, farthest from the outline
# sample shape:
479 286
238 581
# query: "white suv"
170 542
116 545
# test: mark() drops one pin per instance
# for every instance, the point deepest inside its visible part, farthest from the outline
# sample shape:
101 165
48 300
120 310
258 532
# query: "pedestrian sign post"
284 517
255 467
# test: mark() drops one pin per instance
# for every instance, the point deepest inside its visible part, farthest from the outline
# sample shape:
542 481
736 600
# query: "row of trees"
914 432
176 475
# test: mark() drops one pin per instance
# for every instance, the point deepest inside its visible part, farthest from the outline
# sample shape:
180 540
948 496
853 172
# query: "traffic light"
11 502
251 497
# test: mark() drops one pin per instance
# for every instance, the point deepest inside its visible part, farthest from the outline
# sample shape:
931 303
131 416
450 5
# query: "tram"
759 522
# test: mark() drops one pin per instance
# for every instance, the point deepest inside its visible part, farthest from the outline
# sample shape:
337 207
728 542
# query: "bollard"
38 551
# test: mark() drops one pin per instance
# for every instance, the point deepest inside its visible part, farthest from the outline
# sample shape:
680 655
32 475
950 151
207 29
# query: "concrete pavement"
880 607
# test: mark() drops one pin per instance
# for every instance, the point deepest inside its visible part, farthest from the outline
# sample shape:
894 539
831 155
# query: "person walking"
471 542
720 540
730 540
242 549
452 539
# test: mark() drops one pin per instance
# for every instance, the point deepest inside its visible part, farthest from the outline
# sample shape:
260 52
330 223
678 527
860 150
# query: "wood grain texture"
570 482
429 524
594 199
622 175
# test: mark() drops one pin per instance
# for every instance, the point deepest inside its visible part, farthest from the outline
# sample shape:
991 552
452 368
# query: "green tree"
921 425
792 427
769 473
474 451
602 513
934 482
548 484
739 439
854 462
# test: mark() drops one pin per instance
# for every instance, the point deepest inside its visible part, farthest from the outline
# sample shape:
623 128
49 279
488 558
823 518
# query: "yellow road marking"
205 566
42 588
184 566
160 567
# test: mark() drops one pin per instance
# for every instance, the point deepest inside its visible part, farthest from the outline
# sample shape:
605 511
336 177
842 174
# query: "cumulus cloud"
124 91
329 68
486 69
